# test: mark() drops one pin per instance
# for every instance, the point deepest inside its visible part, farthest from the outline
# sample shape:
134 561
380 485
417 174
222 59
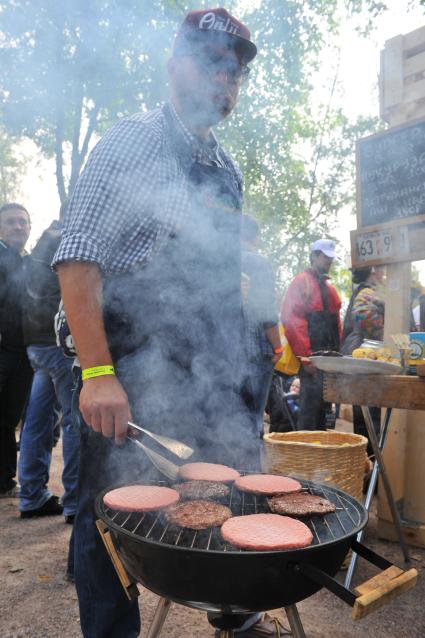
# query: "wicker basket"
336 458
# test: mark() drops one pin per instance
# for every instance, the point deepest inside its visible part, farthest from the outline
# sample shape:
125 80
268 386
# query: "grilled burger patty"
192 490
199 514
300 504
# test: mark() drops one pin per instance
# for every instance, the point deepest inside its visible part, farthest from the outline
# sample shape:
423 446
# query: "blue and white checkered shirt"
133 193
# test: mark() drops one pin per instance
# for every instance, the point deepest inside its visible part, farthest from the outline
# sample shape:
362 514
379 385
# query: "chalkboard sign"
391 175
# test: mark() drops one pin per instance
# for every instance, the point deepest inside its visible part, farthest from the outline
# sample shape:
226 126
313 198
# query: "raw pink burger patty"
264 532
267 484
207 472
140 498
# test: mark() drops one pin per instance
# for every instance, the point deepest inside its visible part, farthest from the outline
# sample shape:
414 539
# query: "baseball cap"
215 25
326 246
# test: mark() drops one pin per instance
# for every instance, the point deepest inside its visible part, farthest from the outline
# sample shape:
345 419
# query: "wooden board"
378 580
400 241
414 472
402 101
397 320
407 393
382 589
401 78
413 534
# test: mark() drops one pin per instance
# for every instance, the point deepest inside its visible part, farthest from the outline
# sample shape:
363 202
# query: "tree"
70 69
297 154
11 167
73 68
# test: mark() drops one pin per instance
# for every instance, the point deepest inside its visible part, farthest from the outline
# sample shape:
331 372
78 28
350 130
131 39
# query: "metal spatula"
162 464
178 448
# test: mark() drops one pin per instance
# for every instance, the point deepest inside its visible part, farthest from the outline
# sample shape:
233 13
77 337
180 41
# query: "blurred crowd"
36 378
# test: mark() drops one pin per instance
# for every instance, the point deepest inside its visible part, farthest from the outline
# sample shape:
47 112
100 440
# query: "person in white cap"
310 314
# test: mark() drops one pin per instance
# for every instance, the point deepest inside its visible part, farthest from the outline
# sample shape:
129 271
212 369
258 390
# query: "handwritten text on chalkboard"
392 175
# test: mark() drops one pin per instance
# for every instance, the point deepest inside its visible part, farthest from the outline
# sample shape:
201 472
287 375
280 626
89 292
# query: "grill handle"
129 586
373 593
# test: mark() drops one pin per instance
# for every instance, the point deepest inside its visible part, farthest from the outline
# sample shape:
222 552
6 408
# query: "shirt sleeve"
113 192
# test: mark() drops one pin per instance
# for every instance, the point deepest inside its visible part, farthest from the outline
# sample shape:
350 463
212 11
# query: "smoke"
165 230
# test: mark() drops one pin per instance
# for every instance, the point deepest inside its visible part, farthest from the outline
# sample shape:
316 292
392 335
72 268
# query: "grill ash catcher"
199 569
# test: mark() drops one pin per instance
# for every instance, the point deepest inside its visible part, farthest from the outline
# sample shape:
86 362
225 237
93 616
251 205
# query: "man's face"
322 263
15 228
206 83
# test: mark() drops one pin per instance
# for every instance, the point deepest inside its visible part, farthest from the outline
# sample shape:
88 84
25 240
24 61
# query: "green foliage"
69 70
297 156
11 168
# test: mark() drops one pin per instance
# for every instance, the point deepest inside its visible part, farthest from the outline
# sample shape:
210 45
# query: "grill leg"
227 633
161 611
295 622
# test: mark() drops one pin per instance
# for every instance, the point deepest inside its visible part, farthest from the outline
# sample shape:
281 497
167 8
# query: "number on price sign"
374 245
391 244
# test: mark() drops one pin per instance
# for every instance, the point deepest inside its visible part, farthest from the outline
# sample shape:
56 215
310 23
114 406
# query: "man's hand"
104 406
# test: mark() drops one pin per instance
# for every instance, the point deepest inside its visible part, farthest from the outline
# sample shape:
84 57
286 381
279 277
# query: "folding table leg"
378 456
369 495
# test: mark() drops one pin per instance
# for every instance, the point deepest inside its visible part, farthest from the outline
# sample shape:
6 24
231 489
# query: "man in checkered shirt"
149 267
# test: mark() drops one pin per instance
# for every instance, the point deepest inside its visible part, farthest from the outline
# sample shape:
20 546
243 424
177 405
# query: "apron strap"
324 292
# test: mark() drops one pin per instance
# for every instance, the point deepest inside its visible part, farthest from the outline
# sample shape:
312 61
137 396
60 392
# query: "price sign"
375 246
391 244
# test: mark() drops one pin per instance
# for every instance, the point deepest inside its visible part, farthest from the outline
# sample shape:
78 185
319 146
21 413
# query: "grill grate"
154 527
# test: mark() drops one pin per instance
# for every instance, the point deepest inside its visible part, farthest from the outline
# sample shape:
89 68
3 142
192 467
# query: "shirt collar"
317 275
202 151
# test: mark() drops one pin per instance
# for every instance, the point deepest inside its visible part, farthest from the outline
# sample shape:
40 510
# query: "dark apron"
322 325
175 325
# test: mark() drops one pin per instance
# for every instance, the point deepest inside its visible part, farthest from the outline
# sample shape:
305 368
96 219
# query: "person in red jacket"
310 314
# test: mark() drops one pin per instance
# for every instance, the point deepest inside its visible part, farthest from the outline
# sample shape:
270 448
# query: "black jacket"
41 289
11 285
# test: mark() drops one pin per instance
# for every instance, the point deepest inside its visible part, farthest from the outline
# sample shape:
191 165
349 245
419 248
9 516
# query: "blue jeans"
52 382
105 611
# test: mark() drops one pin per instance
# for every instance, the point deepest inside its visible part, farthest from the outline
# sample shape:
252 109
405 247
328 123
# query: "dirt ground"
37 602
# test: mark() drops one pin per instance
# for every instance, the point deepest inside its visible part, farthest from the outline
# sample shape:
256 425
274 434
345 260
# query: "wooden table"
402 392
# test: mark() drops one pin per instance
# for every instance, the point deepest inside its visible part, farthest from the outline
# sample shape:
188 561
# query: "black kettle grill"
200 570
